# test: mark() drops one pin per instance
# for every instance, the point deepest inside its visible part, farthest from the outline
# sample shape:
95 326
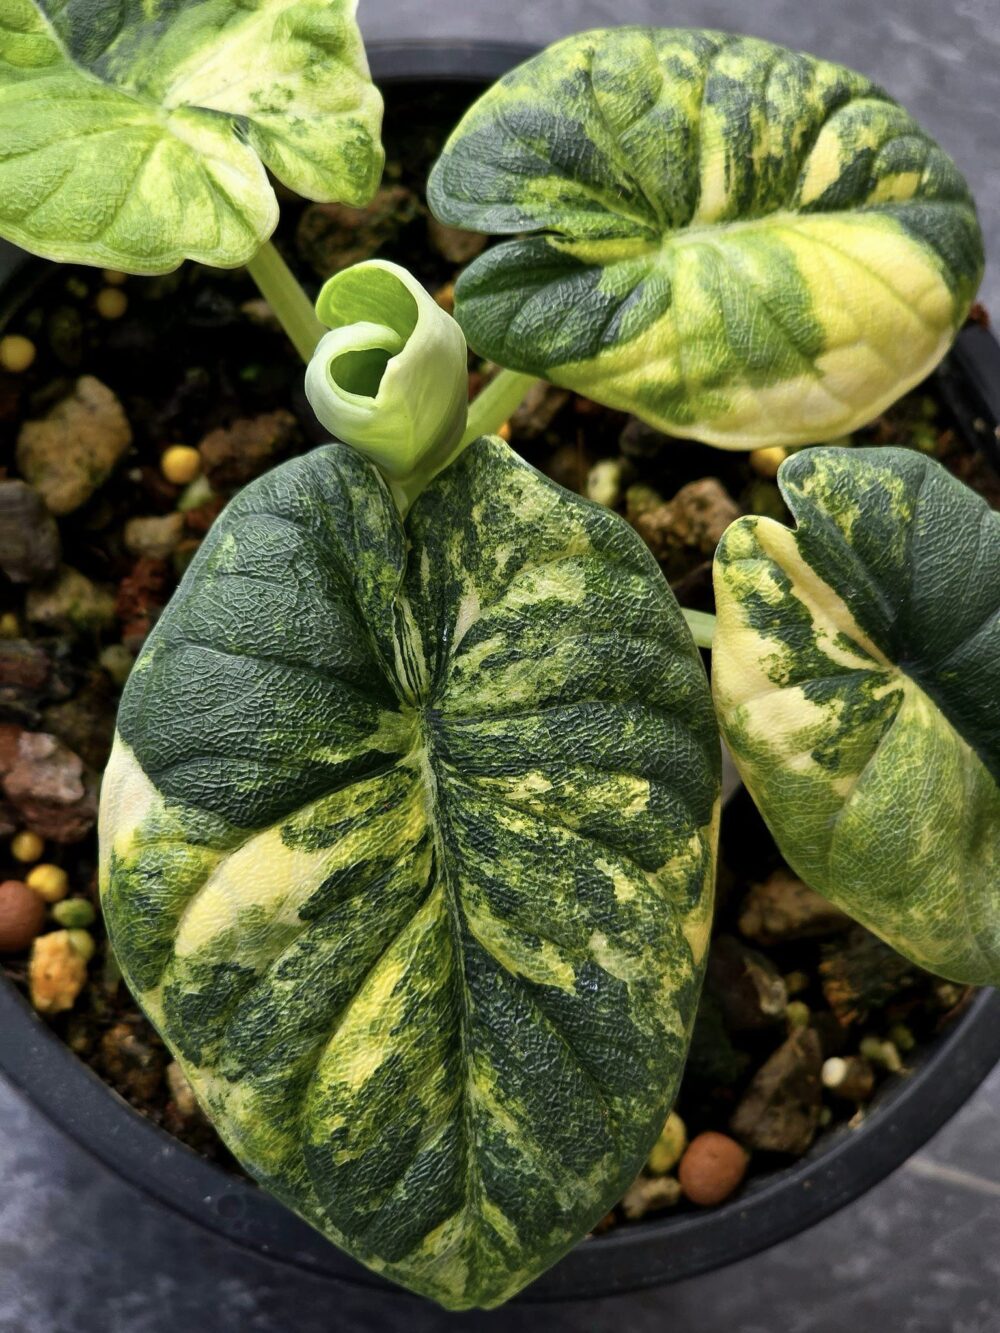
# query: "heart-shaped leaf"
733 241
856 670
136 134
407 848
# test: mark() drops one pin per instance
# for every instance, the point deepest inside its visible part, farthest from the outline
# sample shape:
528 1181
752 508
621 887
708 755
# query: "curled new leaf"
391 378
733 241
856 670
136 134
407 848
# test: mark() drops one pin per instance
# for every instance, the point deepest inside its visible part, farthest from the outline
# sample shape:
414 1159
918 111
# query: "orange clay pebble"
712 1168
504 431
180 464
114 277
22 916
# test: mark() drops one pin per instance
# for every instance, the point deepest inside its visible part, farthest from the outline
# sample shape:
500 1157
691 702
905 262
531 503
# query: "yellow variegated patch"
735 242
408 848
136 134
856 671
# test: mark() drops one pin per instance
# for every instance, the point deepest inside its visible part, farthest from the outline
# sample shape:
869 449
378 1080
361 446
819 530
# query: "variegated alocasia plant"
735 242
856 671
135 135
408 836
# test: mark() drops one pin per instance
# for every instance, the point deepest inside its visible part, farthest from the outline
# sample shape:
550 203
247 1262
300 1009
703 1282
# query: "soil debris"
780 1111
783 908
29 538
234 455
46 784
72 451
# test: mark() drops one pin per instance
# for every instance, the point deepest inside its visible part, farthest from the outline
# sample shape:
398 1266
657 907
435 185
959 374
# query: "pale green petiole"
702 626
495 404
286 298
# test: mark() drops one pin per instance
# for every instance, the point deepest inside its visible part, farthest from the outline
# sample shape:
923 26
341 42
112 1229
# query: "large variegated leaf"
733 241
856 669
136 134
407 846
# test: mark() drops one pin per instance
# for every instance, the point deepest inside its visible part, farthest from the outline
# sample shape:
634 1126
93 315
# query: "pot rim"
841 1166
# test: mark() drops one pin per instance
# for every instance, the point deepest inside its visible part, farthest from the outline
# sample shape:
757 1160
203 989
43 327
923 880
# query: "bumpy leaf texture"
856 670
408 848
136 134
736 242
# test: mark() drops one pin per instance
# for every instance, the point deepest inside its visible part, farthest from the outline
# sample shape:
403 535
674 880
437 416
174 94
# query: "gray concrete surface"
82 1253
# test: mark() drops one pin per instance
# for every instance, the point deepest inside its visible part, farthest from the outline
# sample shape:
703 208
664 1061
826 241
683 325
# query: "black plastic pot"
843 1163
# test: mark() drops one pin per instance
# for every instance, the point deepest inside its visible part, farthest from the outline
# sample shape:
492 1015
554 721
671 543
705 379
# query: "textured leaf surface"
856 670
136 134
408 844
736 242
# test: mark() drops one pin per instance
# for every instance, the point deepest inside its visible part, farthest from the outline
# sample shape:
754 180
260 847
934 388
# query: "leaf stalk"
702 626
282 292
494 404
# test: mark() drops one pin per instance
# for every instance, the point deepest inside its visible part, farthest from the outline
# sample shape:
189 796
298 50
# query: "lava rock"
29 537
859 973
533 417
142 595
780 1110
72 451
331 237
783 908
454 243
71 604
696 517
46 784
156 537
233 455
86 723
134 1061
31 674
